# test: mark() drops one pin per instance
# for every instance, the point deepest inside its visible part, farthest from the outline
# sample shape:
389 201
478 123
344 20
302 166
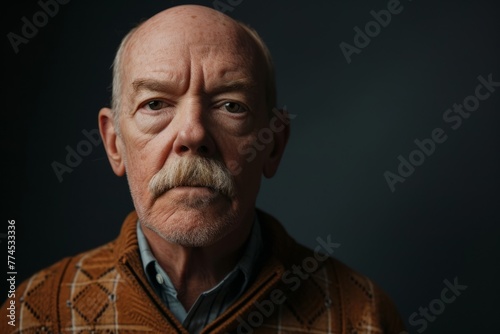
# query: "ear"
279 124
112 142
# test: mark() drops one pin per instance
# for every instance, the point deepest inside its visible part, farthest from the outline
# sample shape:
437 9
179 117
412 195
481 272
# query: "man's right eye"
156 105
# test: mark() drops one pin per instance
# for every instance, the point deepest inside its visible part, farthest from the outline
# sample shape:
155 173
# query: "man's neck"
194 270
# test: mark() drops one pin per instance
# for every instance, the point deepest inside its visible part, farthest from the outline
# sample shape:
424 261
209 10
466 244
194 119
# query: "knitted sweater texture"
297 290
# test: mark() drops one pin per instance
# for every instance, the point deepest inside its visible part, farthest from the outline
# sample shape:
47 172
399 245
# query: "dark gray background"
353 121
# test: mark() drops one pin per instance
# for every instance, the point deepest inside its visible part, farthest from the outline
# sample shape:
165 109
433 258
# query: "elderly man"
193 91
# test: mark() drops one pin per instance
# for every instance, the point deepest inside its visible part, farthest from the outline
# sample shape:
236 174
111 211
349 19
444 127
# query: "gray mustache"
194 171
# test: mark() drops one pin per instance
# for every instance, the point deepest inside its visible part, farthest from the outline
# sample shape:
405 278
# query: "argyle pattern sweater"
297 290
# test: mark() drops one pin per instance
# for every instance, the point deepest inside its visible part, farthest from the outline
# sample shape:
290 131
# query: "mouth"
193 187
197 189
195 195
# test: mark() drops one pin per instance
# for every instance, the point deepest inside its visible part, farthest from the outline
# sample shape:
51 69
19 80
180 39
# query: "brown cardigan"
105 290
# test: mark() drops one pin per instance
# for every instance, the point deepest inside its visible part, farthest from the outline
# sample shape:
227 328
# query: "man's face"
193 90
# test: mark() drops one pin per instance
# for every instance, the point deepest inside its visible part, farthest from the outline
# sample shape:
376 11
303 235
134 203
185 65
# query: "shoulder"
367 304
38 298
322 288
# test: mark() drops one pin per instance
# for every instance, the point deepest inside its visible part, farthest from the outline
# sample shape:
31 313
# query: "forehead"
220 49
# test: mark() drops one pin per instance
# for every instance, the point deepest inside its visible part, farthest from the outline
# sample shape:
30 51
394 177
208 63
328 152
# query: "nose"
193 136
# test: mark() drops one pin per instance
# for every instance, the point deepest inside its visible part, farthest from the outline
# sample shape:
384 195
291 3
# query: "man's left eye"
233 107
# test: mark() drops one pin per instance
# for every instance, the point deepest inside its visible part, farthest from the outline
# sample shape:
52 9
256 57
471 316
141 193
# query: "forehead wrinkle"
174 32
156 70
234 63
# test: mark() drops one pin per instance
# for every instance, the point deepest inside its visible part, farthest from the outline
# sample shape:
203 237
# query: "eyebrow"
153 85
234 86
166 86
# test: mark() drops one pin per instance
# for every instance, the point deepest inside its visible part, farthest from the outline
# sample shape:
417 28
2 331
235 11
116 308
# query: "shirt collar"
246 264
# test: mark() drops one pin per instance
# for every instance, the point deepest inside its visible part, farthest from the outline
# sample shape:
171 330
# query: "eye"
156 105
233 107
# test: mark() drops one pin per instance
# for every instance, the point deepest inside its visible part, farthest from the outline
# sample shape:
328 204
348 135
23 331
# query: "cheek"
244 156
144 149
248 150
145 156
138 177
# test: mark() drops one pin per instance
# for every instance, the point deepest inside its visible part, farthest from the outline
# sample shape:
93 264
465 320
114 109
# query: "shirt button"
159 278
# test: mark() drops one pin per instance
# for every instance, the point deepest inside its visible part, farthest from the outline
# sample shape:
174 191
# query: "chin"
195 223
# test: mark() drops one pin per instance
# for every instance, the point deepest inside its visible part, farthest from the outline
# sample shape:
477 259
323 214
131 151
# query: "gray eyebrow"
153 85
165 86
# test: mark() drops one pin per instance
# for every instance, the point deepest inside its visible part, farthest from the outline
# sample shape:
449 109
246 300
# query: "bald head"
190 27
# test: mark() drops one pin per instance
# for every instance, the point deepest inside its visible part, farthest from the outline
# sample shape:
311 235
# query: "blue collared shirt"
211 303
